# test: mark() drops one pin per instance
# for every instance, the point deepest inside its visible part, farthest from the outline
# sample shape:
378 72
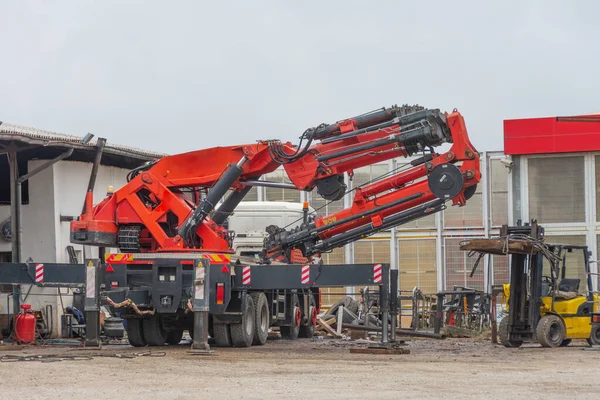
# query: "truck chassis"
160 296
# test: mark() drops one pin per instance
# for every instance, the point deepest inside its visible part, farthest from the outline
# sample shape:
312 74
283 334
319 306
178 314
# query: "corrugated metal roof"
46 138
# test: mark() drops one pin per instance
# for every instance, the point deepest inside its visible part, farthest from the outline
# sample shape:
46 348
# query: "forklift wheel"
550 331
594 339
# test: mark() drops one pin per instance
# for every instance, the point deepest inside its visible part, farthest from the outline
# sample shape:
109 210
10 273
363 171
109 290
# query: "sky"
176 76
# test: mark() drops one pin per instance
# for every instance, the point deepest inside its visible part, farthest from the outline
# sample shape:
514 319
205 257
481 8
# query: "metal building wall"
560 191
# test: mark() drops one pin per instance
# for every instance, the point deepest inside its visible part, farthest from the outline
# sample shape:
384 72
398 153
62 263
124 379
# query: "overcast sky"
175 76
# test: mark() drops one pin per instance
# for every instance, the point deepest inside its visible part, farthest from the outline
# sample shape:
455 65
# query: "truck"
177 267
251 218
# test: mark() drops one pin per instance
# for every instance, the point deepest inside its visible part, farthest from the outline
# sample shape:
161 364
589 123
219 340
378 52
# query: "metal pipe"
277 185
384 298
394 301
403 332
15 212
439 314
92 182
14 208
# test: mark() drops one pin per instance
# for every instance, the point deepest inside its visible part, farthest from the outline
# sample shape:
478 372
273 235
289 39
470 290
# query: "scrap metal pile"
357 319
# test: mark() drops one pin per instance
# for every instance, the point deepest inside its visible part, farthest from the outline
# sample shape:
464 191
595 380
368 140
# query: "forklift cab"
563 281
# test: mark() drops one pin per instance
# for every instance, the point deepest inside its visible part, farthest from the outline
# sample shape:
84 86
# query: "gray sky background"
175 76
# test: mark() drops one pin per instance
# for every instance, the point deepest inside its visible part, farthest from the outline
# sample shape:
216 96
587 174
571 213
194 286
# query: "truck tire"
308 330
135 332
550 331
292 331
349 304
243 333
175 336
262 318
222 335
503 334
594 339
154 332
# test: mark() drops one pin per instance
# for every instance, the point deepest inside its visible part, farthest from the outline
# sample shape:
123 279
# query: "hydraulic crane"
170 205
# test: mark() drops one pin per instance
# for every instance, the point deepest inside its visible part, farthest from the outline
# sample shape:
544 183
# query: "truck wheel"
154 332
291 331
261 318
594 339
135 332
504 336
222 335
243 333
550 331
349 305
175 336
308 330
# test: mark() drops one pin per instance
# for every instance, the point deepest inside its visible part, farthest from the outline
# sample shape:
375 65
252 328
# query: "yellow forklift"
550 298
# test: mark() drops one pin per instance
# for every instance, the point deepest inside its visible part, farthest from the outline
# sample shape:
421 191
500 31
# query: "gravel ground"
451 368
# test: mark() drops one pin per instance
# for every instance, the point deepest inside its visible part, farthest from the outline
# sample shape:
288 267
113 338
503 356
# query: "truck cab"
252 217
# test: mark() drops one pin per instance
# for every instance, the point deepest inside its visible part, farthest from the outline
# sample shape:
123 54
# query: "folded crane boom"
171 205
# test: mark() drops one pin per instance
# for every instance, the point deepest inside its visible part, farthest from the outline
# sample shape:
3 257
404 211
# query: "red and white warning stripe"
377 273
305 274
246 275
39 273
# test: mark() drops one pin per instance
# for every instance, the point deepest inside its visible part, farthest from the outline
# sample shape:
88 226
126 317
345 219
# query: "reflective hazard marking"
199 290
305 274
377 273
39 273
90 280
118 258
246 275
218 258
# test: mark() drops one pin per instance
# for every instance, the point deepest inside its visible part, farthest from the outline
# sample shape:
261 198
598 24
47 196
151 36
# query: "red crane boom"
171 205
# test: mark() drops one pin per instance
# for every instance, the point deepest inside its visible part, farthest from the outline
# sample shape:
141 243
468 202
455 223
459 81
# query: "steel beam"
51 275
266 277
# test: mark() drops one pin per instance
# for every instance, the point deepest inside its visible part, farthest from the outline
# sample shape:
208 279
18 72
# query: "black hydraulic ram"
207 205
388 222
372 118
420 130
309 231
220 215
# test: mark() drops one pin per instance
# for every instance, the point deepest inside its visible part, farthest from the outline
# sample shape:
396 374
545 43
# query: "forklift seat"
569 285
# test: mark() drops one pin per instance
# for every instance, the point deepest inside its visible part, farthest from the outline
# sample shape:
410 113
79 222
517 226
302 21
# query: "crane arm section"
170 205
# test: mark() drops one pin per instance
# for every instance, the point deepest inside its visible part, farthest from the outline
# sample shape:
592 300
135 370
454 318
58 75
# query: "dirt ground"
450 368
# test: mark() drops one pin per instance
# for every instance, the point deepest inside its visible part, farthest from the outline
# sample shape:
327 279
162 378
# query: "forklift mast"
525 287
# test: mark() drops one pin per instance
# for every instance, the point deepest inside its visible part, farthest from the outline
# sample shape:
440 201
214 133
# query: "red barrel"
25 325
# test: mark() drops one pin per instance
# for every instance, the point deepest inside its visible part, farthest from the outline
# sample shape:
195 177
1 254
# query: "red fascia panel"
552 135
